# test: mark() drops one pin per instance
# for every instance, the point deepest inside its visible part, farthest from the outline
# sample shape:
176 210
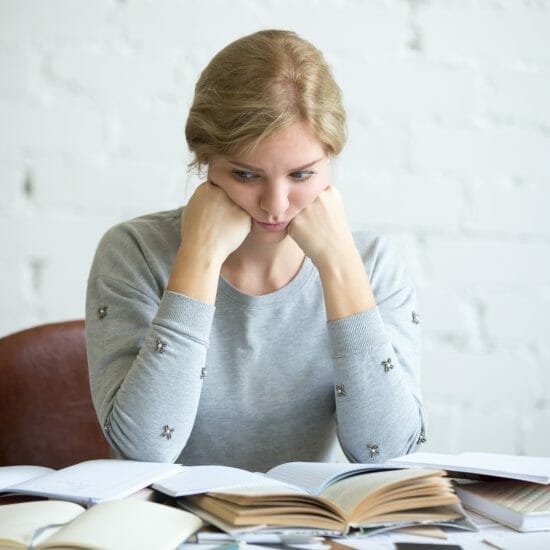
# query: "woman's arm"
147 346
375 342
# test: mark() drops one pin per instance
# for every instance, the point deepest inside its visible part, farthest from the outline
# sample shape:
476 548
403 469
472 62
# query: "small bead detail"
421 437
341 390
387 364
167 432
203 373
160 346
373 449
102 312
415 318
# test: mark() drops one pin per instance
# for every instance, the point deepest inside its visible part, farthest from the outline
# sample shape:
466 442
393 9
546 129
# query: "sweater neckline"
294 286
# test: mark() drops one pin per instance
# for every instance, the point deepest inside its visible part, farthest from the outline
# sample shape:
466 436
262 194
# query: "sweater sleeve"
146 353
376 368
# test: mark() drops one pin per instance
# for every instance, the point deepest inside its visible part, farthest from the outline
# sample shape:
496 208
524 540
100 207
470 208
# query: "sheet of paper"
97 480
528 468
194 480
12 475
519 541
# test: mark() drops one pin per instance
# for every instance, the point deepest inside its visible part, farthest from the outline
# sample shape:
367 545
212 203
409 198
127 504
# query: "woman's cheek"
309 193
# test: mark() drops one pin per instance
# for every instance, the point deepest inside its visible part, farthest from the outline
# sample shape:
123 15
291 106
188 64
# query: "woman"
251 327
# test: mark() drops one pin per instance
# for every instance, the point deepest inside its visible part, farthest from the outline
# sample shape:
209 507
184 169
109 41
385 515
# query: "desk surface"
506 538
489 530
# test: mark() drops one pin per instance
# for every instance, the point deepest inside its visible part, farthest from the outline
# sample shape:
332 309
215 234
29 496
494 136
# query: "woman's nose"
274 200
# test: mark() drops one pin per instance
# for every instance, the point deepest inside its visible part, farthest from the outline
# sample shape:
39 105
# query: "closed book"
522 505
114 525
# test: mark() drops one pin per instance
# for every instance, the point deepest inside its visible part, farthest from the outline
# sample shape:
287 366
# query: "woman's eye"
302 175
244 176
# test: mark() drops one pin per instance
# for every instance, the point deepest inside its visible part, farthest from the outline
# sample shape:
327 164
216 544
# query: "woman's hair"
257 85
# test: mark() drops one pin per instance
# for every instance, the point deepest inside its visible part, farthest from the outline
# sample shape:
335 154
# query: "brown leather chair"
46 412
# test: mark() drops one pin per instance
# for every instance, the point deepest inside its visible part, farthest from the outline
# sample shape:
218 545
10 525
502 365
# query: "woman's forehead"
293 147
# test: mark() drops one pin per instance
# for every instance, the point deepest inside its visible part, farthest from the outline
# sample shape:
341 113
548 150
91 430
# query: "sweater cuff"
186 315
359 333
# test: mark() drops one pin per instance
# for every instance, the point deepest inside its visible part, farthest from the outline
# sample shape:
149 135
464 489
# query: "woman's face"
284 174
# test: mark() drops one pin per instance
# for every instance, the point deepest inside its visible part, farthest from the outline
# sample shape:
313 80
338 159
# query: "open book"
87 482
120 524
330 499
522 505
526 468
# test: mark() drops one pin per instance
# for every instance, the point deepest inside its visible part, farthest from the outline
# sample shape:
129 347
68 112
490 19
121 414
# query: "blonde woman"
251 327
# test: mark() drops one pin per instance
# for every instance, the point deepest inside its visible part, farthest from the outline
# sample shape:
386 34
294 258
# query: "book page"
356 496
127 525
19 522
12 475
97 480
528 468
194 480
520 496
314 477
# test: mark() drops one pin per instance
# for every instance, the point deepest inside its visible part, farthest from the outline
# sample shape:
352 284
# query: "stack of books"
92 503
514 490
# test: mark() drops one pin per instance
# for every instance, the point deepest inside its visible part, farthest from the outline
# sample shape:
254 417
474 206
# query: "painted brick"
509 209
151 131
74 125
518 95
17 74
11 184
74 184
520 316
442 420
483 263
537 442
484 31
408 87
471 378
372 145
485 150
404 200
188 25
338 26
40 24
446 316
117 76
493 430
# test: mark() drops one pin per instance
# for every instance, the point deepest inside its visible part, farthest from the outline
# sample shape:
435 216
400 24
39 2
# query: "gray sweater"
253 381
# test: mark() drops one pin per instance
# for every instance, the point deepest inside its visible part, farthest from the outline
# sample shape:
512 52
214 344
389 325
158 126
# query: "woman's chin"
268 236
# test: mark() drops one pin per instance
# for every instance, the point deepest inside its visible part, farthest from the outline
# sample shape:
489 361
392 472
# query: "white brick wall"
449 155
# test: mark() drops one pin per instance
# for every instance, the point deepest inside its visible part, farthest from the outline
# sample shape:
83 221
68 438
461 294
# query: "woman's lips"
272 226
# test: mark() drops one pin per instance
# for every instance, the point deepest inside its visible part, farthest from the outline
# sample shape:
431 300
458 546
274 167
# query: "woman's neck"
259 268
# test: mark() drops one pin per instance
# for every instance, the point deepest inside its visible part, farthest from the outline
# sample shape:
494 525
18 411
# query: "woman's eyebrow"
254 169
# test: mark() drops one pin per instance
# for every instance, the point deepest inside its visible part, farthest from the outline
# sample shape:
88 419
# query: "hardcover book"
522 505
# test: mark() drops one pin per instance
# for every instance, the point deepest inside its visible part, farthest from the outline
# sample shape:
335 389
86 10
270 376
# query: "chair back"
46 413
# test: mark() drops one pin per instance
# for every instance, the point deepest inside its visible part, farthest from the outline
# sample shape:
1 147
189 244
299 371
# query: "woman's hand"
213 223
212 227
321 229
